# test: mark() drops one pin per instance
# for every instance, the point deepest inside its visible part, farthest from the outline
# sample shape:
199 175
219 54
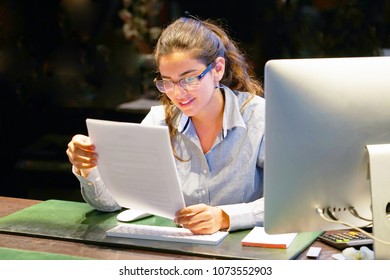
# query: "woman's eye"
190 80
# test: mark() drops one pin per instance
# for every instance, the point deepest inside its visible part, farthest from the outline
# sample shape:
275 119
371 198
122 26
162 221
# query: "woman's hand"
81 153
202 219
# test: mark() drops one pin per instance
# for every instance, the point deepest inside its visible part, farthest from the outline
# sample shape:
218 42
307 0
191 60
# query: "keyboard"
158 233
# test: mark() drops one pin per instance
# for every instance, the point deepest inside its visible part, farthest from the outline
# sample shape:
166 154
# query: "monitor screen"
320 115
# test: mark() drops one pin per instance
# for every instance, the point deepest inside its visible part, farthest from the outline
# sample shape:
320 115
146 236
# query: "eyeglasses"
189 83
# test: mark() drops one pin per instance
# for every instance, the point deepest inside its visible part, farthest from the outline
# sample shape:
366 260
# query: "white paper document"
137 166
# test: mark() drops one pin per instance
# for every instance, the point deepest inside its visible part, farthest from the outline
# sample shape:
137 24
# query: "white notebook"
259 238
136 164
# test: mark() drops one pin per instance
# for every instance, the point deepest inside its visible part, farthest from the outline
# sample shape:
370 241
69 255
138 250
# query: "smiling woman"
213 108
203 100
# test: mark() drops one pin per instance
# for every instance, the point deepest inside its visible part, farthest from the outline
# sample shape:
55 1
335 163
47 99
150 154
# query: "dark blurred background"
62 61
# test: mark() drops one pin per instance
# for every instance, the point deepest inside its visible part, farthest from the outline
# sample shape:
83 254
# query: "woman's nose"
179 91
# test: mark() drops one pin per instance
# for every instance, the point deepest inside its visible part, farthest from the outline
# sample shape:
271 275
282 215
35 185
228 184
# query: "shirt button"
89 183
203 192
204 171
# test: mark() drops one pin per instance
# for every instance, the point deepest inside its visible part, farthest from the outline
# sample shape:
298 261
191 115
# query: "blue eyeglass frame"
205 71
199 77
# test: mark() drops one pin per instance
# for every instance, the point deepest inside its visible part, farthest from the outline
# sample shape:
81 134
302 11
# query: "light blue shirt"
229 176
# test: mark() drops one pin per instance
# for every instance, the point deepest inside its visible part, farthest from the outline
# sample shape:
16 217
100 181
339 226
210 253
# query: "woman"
215 114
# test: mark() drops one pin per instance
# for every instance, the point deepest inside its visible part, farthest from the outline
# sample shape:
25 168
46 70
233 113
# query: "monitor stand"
379 159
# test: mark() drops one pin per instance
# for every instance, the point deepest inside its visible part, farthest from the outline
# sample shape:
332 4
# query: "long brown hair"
205 41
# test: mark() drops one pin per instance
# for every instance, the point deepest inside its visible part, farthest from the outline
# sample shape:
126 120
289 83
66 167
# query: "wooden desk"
10 205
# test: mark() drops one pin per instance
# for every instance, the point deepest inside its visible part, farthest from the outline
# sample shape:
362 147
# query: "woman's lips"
186 103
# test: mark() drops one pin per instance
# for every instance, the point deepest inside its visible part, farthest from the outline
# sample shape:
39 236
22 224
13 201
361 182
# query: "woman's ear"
219 68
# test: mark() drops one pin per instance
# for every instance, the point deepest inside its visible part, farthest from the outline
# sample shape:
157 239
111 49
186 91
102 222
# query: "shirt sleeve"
261 156
245 215
95 193
156 116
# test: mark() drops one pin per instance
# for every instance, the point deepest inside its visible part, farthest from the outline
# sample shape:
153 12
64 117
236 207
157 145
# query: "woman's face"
192 103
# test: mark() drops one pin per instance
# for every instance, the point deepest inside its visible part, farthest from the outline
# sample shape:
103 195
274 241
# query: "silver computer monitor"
320 115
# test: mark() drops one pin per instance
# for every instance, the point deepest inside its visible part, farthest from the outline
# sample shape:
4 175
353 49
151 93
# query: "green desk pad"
16 254
77 221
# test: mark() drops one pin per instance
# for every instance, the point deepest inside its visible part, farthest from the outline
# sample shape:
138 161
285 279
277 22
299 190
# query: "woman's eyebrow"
180 75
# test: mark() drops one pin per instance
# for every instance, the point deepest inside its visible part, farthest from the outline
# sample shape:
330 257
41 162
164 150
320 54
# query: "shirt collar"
231 116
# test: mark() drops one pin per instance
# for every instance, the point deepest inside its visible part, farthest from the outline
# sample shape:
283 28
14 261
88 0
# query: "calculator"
345 239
